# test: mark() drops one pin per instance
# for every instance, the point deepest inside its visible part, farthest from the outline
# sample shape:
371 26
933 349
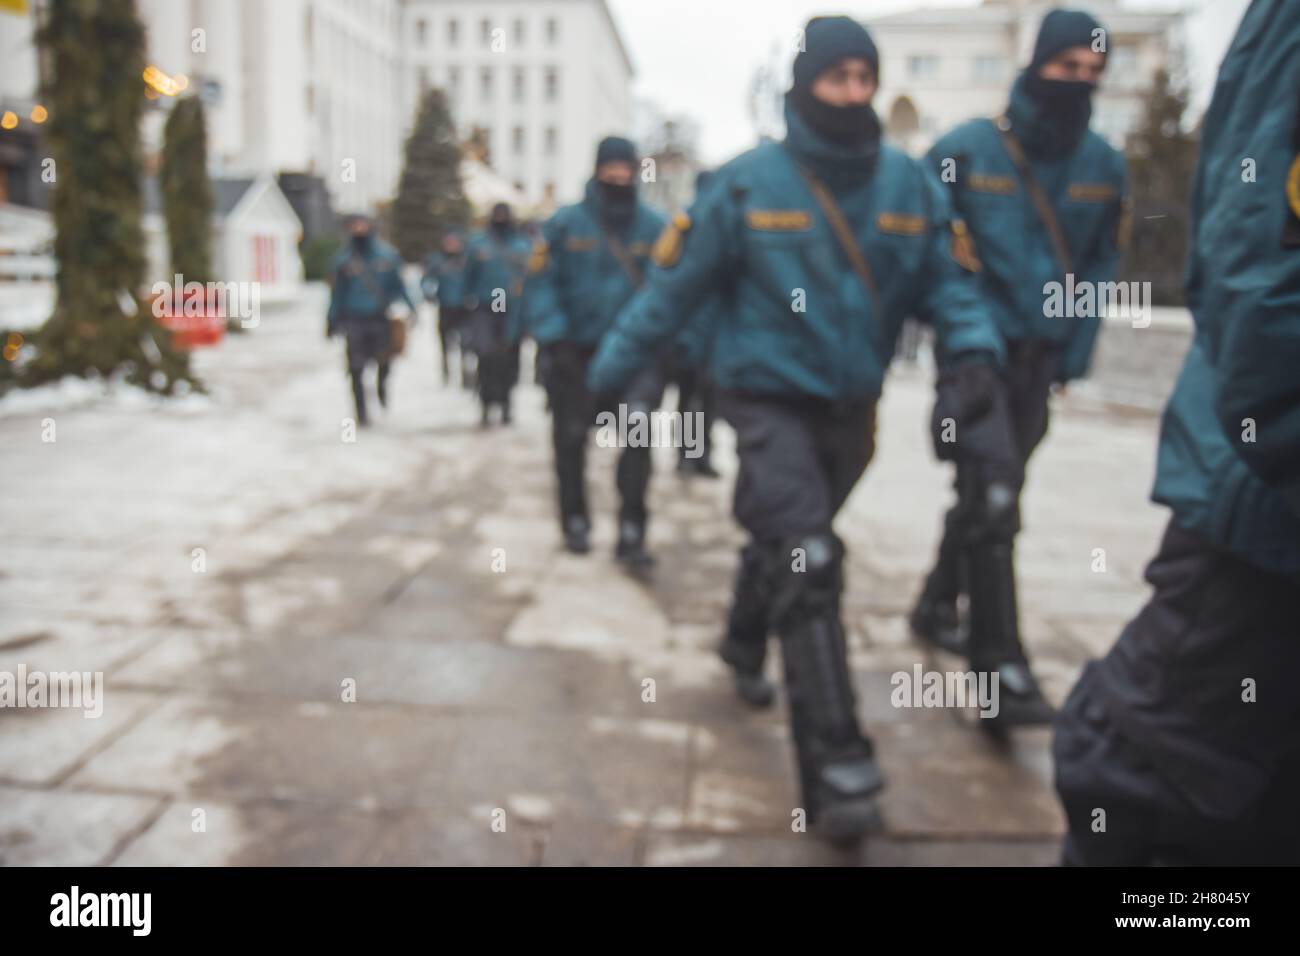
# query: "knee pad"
995 514
806 574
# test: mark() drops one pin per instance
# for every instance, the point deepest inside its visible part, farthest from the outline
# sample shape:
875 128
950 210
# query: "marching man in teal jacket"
496 267
825 242
1186 735
365 279
1042 197
591 259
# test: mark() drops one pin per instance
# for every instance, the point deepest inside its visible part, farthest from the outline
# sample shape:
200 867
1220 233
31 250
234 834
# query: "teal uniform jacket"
577 284
495 274
1086 186
444 279
797 319
365 285
696 340
1229 457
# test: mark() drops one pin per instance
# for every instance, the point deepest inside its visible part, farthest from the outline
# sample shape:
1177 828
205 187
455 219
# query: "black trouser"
694 396
1186 735
573 412
798 462
451 331
1030 371
368 340
498 358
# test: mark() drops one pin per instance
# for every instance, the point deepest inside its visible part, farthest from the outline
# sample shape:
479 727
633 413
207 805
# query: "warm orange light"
39 113
160 82
9 120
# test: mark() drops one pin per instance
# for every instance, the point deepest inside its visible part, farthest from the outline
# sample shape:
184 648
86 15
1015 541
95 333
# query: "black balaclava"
365 241
617 201
1051 116
827 41
502 223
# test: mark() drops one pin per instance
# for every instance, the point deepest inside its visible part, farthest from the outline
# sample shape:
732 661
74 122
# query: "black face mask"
361 243
842 125
1066 104
618 194
502 227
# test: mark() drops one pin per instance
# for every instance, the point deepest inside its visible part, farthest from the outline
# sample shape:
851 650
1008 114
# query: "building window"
552 31
989 69
552 84
421 32
517 140
923 66
1123 60
485 84
485 31
552 140
517 87
453 32
519 33
453 80
424 81
549 192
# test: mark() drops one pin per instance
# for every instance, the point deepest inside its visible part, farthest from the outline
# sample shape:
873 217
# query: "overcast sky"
697 57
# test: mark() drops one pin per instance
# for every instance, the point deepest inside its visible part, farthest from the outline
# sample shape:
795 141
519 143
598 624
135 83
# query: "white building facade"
296 85
545 79
941 67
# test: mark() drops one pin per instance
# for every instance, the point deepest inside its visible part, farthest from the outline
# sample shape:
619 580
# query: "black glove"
965 393
972 421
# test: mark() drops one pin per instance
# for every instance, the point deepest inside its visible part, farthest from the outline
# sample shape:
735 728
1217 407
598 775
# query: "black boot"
630 549
837 768
995 645
937 622
576 528
935 619
744 647
359 397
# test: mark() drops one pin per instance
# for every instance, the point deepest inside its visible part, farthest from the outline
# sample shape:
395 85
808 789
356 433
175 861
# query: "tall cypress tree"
94 53
187 191
430 197
1162 163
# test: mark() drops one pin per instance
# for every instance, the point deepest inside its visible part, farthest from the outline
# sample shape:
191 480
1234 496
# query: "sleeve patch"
668 247
537 260
1293 187
963 248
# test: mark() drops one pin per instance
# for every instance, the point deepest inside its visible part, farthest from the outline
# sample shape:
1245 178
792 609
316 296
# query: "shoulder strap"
1045 211
620 252
843 235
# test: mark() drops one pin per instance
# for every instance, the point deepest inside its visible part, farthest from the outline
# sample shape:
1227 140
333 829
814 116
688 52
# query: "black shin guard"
745 646
837 771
